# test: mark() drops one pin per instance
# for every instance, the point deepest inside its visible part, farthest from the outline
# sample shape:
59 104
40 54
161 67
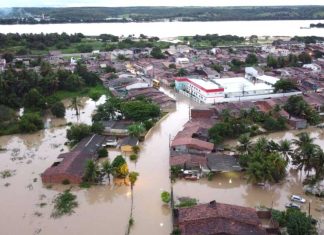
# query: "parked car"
293 205
297 198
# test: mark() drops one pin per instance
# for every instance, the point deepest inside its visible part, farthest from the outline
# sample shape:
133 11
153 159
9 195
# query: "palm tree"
75 104
91 171
132 178
107 169
305 152
285 149
318 163
245 143
261 144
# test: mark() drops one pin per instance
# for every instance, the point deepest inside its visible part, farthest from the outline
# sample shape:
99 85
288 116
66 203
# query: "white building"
126 53
203 91
2 64
313 67
182 61
225 89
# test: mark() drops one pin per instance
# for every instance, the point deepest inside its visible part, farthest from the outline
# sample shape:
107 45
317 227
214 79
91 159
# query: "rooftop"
218 218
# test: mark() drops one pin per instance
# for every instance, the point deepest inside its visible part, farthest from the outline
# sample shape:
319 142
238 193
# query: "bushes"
77 132
102 153
30 122
165 197
64 204
58 109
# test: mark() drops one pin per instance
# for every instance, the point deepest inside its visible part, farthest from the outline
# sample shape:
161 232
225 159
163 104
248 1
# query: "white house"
73 61
313 67
126 53
2 64
182 61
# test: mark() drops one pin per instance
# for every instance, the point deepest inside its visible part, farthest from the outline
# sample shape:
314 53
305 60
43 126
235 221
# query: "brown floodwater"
105 209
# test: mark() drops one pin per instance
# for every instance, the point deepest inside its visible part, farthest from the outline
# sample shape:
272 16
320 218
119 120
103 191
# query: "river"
173 29
105 209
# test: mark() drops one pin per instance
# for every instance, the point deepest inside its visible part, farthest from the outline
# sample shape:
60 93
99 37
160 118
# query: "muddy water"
105 209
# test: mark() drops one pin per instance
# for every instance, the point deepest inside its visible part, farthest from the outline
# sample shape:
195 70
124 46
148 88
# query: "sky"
116 3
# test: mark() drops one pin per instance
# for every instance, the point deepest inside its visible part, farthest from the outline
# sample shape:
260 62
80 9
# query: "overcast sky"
113 3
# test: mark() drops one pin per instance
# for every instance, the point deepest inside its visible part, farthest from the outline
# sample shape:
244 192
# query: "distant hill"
147 14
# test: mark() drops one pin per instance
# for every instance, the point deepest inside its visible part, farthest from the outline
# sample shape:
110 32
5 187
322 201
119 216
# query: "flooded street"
105 209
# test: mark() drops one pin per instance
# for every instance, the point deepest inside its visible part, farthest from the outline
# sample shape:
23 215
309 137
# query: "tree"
95 95
77 132
120 166
165 197
136 149
251 59
8 57
272 62
284 85
136 130
91 172
58 109
286 149
305 152
157 53
132 179
75 104
182 72
97 127
244 143
107 169
305 58
30 122
172 66
298 223
218 67
138 110
102 152
34 100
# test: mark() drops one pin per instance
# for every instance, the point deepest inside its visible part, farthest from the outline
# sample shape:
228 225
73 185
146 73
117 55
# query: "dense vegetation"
298 107
38 92
137 110
264 161
64 204
41 44
125 14
247 121
296 222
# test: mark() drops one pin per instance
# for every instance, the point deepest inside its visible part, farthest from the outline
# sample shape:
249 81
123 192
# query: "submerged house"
72 164
223 163
218 218
127 144
191 145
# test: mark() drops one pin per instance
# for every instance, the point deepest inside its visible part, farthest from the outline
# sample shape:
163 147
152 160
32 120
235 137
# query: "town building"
218 218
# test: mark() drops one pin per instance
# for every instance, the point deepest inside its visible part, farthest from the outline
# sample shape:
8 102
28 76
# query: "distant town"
241 89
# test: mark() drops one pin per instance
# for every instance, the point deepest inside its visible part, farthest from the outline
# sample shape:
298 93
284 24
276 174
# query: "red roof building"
218 218
72 166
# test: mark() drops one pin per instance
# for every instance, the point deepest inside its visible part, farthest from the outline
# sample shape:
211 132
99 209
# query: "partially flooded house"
71 166
218 218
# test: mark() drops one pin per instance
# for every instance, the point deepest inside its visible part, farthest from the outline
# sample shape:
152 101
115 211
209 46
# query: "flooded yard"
27 204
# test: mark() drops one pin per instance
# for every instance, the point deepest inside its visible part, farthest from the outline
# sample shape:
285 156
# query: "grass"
9 129
64 204
85 92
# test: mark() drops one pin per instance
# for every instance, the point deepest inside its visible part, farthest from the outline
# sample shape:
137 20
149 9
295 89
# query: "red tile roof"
193 143
219 218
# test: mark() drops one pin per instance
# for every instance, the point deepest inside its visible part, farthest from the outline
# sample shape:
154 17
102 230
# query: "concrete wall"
202 113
